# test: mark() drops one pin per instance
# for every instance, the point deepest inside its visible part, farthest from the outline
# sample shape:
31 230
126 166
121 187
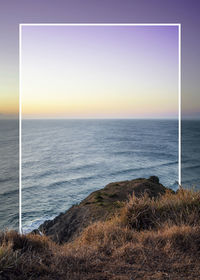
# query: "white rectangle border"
96 24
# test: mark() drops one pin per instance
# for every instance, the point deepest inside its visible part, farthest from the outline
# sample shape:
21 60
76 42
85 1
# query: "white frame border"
96 24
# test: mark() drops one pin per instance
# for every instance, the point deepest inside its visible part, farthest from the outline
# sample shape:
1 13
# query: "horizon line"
99 118
99 24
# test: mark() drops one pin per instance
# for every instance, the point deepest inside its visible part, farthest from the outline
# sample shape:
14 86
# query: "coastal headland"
100 205
135 229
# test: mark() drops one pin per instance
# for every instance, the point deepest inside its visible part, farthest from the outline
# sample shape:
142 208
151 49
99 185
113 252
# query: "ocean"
190 154
63 161
9 170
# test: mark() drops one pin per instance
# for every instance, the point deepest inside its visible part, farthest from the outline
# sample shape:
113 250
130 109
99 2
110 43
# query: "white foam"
28 227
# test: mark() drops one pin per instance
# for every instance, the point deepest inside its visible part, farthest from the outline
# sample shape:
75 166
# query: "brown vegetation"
149 238
98 206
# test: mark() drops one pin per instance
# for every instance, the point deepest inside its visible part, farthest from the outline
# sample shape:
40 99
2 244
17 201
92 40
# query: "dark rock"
98 206
36 231
154 179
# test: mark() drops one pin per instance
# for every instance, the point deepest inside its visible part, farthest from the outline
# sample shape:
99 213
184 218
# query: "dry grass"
172 209
149 239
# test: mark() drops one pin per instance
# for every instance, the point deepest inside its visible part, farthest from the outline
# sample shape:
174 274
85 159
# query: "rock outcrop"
98 206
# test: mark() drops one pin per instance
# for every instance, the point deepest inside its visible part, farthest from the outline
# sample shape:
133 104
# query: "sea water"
9 170
63 161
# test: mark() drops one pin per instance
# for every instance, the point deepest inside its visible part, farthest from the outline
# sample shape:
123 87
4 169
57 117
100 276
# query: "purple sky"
185 12
105 71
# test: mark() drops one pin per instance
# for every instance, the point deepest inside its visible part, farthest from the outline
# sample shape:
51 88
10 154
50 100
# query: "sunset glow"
99 71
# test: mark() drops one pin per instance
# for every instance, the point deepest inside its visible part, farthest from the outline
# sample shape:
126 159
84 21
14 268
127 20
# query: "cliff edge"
98 206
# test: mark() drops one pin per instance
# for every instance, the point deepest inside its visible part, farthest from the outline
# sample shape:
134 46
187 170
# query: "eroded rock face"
98 206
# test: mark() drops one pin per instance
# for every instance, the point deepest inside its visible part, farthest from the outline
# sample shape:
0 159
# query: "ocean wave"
55 172
83 179
125 171
191 167
34 224
76 180
8 179
11 192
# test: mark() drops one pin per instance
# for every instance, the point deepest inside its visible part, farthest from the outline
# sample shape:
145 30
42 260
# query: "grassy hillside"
100 205
149 238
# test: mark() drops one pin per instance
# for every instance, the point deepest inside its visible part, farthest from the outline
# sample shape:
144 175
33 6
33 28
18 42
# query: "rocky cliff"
98 206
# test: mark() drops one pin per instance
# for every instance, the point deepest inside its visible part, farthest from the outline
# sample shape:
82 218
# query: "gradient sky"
186 12
99 71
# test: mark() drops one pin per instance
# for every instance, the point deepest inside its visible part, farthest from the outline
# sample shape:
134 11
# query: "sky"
99 71
13 12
